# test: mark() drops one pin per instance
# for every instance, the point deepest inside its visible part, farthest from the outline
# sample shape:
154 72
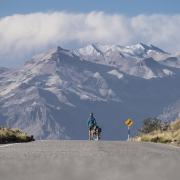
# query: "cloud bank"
22 35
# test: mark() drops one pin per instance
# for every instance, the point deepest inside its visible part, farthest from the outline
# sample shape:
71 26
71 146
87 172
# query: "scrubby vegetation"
156 131
8 135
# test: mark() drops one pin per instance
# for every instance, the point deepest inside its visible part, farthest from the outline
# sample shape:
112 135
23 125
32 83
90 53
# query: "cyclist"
90 124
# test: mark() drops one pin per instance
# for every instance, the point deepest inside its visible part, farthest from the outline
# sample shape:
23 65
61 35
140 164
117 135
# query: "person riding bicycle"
90 124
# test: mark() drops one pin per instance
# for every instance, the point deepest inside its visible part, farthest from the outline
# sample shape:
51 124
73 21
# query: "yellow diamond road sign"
129 122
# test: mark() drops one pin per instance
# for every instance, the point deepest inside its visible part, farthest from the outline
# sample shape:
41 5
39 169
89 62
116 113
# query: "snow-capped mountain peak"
89 50
172 60
125 58
149 68
138 50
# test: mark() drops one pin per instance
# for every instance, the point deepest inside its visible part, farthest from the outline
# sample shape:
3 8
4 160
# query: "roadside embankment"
169 136
8 135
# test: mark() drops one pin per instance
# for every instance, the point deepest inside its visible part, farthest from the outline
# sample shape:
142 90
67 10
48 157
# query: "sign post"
129 123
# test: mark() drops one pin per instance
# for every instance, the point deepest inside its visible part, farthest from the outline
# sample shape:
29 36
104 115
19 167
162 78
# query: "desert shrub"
156 131
174 126
144 138
32 138
160 140
156 139
151 126
14 135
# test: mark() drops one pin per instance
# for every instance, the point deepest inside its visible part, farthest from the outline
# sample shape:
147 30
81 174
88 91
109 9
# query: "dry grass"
170 135
13 135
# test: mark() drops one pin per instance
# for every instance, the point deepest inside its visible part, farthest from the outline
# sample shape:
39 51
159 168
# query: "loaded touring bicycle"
97 132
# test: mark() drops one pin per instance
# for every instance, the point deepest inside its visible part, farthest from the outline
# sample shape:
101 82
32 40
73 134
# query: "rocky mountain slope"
52 95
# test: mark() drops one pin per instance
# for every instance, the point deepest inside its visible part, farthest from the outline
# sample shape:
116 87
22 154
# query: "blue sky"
125 7
29 27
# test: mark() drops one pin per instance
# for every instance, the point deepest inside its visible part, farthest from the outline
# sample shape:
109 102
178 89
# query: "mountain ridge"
116 57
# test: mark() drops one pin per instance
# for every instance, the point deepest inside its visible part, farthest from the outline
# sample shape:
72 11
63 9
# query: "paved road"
85 160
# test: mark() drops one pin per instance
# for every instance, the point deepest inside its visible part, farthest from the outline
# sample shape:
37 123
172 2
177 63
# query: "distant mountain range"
52 95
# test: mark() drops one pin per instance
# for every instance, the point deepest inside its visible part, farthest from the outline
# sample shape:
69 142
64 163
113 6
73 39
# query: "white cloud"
21 35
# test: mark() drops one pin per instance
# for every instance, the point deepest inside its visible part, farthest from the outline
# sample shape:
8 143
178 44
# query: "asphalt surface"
85 160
